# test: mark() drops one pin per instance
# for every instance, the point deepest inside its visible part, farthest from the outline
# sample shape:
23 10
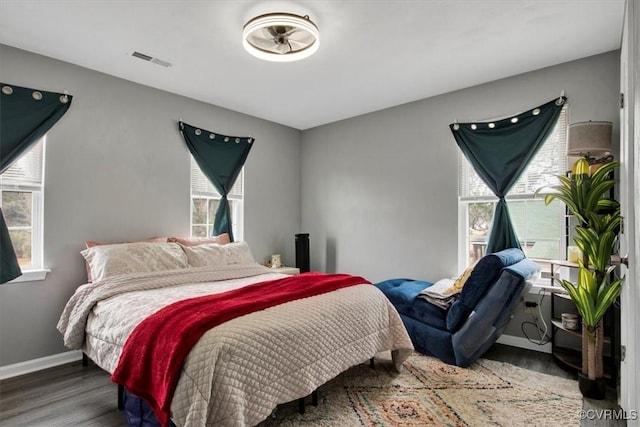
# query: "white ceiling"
373 54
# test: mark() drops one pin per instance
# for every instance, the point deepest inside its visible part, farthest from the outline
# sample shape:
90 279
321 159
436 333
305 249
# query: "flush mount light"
281 37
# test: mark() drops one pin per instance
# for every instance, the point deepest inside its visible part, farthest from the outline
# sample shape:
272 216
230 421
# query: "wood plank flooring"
71 395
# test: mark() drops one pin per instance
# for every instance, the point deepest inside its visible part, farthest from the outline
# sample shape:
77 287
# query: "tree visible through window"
21 198
538 227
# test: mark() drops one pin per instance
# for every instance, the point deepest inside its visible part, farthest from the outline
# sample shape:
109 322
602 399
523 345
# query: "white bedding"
239 371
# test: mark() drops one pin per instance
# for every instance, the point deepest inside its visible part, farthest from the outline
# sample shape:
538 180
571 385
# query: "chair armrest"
483 326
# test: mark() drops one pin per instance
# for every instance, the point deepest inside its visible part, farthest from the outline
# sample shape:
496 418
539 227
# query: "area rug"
430 393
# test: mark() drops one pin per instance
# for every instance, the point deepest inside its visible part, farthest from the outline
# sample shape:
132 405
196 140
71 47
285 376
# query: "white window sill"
31 276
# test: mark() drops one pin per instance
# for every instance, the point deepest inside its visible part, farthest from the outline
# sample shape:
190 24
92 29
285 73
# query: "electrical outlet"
530 306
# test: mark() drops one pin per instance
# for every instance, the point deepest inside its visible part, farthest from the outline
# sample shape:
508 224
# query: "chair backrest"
484 274
479 331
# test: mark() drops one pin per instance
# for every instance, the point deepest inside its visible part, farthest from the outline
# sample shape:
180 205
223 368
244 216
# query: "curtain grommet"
474 126
226 139
36 95
514 120
64 99
536 111
212 136
7 90
198 132
456 126
237 140
560 101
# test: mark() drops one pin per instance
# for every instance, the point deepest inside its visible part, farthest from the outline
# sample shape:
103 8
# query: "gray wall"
379 191
116 170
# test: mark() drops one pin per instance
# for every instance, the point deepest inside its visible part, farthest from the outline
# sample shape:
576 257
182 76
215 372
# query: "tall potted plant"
584 193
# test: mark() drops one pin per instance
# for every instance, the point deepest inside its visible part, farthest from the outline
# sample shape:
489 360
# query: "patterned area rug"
431 393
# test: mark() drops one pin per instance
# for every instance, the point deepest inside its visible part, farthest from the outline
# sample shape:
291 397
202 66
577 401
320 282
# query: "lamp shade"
589 139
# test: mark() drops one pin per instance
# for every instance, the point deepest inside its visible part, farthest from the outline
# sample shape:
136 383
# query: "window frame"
235 197
464 201
36 270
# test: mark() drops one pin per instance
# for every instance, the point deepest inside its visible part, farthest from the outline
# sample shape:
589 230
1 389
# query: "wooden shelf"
575 332
564 296
572 359
564 263
558 324
568 357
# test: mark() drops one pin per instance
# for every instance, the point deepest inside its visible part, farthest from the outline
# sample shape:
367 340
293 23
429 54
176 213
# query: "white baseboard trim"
21 368
520 342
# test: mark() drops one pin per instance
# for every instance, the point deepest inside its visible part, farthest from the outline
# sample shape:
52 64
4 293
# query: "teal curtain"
220 158
500 151
26 115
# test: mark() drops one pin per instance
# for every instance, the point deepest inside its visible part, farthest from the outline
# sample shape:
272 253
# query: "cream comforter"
239 371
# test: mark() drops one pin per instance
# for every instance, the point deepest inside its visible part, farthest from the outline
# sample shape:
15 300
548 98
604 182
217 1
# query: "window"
204 202
540 228
21 198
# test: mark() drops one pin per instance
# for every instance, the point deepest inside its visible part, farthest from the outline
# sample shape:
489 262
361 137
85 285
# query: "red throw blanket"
155 351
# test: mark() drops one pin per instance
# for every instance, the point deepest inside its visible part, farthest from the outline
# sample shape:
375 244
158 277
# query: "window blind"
201 186
27 172
550 160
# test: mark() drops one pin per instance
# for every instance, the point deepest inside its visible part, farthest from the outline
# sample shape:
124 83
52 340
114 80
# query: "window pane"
213 205
538 227
199 212
480 217
199 231
16 206
21 240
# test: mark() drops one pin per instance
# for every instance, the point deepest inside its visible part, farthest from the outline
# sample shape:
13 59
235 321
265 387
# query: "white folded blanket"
442 293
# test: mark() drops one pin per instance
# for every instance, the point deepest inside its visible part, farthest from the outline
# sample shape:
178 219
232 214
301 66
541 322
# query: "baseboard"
520 342
34 365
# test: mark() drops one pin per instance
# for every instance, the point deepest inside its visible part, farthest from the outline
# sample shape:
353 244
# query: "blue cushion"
403 294
425 312
456 315
525 268
510 256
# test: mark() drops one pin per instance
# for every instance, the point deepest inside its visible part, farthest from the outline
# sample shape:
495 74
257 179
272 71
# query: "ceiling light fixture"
281 37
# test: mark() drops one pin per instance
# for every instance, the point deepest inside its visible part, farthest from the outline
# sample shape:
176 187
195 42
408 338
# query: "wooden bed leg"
301 405
314 397
372 363
120 397
85 359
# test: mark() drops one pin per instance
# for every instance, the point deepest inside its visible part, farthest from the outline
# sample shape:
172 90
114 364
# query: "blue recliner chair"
464 332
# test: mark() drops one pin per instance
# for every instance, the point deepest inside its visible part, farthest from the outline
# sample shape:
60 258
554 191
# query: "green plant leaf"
587 281
609 296
602 173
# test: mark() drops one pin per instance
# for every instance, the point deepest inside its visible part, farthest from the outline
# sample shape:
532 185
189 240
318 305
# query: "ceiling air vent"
149 58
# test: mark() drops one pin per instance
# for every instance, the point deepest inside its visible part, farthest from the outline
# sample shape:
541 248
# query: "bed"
240 370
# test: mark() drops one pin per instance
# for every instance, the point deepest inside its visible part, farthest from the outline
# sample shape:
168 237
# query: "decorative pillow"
462 279
214 255
91 243
221 239
124 258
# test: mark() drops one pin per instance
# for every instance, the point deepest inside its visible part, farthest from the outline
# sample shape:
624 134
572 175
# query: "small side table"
286 270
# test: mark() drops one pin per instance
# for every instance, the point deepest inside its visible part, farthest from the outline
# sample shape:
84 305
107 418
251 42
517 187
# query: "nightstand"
286 270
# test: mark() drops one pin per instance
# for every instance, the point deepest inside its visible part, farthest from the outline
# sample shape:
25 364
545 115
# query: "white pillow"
124 258
215 255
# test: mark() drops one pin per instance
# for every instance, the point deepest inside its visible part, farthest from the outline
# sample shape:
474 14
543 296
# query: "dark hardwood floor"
71 395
